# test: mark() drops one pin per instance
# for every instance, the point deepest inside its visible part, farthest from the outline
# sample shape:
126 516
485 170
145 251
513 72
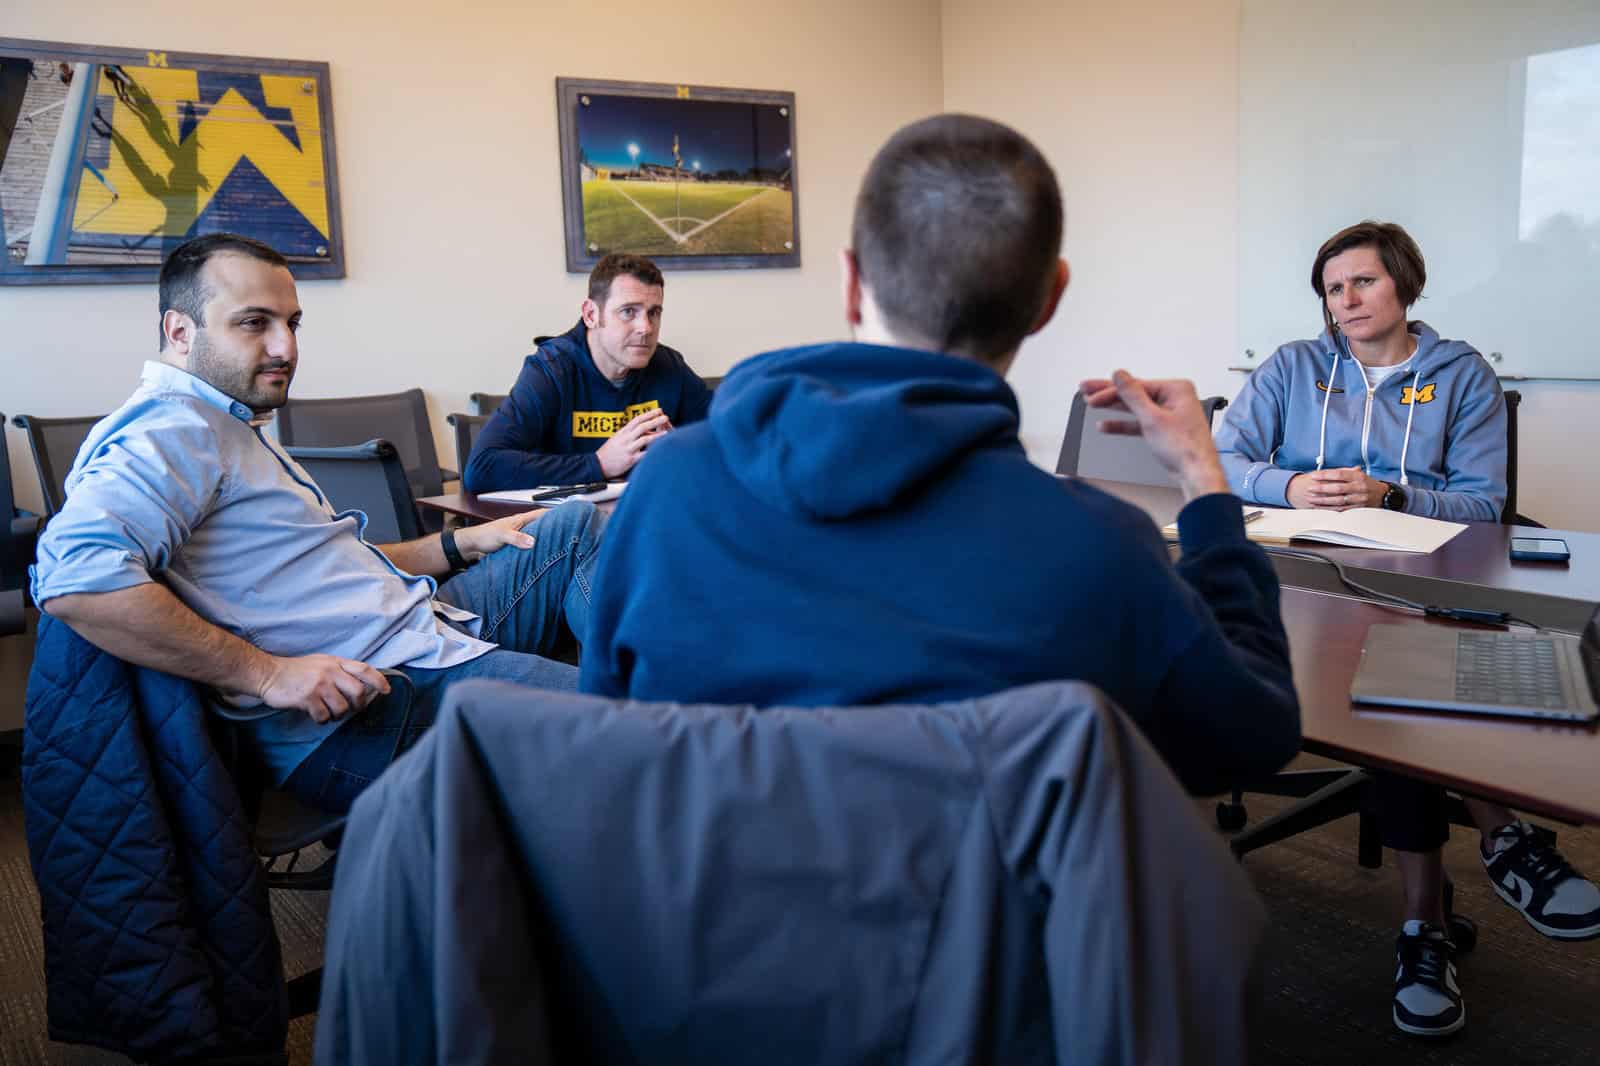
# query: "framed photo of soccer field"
696 178
112 157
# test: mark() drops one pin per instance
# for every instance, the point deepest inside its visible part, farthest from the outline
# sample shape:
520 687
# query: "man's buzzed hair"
956 234
181 286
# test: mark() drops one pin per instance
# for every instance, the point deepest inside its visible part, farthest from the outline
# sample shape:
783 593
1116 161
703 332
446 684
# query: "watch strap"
452 554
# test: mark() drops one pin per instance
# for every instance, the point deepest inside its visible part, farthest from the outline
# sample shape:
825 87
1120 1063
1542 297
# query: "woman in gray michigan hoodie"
1381 411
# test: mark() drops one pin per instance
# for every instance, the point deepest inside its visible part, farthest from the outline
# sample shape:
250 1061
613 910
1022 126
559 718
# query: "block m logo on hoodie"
1422 395
606 423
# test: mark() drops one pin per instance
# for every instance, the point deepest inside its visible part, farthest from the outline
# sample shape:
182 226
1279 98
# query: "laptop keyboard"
1510 671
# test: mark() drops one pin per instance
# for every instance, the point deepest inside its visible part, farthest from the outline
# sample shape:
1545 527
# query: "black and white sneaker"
1427 997
1530 874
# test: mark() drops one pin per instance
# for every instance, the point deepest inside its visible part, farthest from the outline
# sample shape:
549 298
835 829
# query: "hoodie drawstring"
1416 376
1327 394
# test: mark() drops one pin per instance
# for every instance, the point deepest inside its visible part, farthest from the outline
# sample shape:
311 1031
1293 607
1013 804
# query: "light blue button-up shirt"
179 484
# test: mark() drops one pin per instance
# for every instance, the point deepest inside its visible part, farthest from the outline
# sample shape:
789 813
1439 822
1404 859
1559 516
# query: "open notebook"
549 496
1360 527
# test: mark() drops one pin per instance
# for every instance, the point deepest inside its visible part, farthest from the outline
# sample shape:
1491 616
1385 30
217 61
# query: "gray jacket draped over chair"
559 878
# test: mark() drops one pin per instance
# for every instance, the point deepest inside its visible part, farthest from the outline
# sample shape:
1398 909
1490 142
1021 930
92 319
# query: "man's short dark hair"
181 286
614 266
956 234
1396 248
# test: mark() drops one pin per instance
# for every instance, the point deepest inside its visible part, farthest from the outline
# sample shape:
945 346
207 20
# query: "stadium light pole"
633 153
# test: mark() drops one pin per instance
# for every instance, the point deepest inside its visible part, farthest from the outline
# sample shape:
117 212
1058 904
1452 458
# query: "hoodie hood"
1433 352
830 431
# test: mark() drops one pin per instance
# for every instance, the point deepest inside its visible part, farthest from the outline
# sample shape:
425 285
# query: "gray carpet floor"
1328 961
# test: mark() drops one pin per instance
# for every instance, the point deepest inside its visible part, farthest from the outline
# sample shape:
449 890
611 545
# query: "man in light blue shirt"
191 543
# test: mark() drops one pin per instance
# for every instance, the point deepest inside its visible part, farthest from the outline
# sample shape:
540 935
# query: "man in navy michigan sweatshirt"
857 523
588 403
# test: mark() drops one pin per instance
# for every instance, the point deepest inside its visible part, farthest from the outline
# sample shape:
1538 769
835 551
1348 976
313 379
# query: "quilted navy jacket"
158 937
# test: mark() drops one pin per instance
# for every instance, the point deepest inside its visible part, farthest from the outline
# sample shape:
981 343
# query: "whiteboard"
1475 125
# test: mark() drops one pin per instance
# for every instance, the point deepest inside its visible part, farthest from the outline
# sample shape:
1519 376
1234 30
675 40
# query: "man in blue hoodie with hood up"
857 523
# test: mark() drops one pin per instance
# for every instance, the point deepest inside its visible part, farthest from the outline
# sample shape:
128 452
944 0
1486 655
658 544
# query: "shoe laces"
1426 958
1538 861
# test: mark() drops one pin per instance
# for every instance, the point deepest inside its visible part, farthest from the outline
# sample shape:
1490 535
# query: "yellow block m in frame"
1422 395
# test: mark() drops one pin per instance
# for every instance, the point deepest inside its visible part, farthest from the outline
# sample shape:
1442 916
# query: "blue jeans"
522 595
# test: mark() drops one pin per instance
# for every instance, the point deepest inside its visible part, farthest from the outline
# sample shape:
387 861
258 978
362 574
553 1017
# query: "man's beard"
237 382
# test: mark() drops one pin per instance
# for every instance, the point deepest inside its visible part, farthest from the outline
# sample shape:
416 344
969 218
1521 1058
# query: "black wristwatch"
452 554
1394 499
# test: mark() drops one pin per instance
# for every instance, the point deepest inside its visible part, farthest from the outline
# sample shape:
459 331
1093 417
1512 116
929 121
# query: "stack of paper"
1360 527
552 496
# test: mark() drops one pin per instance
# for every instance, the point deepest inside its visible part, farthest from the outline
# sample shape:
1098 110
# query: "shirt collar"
165 376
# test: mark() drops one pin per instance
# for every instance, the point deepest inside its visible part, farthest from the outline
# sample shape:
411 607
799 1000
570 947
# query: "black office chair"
400 418
369 478
1508 514
485 404
1086 452
17 537
55 443
466 429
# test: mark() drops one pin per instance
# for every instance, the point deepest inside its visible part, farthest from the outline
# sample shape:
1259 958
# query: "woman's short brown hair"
1399 252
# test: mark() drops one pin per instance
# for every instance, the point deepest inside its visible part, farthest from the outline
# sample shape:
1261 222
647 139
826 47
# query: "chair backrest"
13 565
486 403
55 443
365 477
1508 514
1087 452
828 884
400 418
466 429
712 383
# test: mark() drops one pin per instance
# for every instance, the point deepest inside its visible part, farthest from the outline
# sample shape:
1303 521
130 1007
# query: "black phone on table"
1539 550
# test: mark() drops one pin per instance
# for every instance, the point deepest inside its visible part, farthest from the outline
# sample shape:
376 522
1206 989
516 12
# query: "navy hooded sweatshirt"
858 524
562 409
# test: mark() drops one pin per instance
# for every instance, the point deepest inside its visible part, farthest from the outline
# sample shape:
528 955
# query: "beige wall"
1136 105
445 291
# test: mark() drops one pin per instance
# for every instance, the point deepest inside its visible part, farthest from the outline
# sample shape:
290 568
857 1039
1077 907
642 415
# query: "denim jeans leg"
522 594
337 770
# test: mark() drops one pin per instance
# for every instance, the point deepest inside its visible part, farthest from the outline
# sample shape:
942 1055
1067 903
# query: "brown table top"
1473 570
1552 769
468 505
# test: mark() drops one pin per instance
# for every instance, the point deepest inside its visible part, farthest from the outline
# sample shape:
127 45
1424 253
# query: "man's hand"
1169 417
323 686
627 446
474 542
1335 490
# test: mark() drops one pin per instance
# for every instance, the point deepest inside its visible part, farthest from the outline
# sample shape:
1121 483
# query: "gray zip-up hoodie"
1312 406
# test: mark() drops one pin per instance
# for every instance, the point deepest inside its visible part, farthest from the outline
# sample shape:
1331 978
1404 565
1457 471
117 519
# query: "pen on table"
567 490
1251 516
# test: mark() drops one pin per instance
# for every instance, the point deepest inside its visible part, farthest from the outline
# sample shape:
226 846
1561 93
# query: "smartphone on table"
1539 550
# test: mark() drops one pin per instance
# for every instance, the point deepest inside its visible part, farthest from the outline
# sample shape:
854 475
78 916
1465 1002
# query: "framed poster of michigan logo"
111 157
695 178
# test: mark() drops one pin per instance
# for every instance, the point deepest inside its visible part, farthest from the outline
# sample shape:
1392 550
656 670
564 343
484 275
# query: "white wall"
1137 106
446 291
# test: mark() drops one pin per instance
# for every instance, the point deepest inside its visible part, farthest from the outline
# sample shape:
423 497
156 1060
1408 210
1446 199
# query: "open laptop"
1525 675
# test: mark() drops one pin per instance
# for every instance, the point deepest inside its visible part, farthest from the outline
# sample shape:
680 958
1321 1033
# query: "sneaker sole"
1414 1030
1554 934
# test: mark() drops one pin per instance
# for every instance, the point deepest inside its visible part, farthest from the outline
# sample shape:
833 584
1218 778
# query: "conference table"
1551 769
